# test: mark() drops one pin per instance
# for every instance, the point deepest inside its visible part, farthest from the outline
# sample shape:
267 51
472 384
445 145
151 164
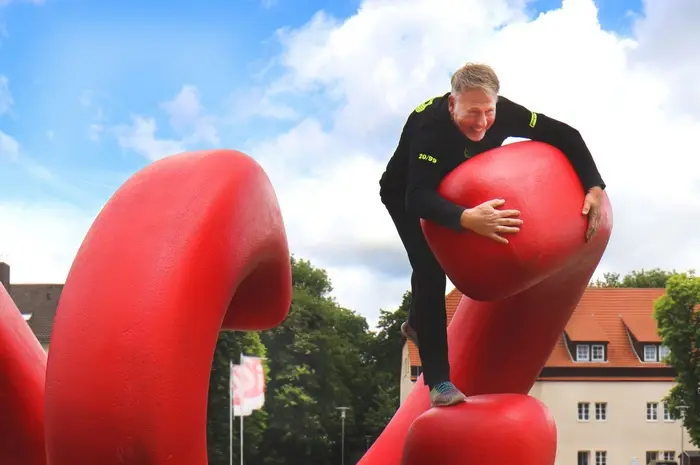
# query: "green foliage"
323 356
654 278
679 327
229 347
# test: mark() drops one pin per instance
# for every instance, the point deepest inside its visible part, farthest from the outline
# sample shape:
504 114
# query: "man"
438 136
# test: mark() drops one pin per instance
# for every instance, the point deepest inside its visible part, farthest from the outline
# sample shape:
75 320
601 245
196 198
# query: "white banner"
238 376
247 385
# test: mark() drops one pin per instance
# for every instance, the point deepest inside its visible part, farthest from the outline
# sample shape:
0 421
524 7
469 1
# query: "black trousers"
427 313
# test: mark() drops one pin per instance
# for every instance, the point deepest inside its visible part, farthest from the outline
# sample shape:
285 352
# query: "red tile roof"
602 315
642 327
585 328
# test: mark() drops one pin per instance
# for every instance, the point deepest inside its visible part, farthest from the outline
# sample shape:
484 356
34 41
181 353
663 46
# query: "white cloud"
42 241
140 136
367 72
374 67
187 119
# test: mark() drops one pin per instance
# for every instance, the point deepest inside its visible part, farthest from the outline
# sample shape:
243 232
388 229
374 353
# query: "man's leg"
427 311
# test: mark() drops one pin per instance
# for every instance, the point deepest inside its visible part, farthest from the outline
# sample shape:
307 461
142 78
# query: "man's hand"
591 207
485 220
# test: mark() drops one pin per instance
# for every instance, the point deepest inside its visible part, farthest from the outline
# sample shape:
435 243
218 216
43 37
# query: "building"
37 302
604 382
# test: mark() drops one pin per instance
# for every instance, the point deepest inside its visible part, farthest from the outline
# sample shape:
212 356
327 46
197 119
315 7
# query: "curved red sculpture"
22 371
195 243
465 434
189 245
517 300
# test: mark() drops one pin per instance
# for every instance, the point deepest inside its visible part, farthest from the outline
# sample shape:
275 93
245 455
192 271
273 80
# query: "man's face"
474 112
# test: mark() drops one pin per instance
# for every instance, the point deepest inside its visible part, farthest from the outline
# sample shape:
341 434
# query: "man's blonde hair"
475 76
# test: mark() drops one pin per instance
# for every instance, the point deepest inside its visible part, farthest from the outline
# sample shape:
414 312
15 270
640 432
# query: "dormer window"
586 340
645 338
583 352
650 354
597 353
590 352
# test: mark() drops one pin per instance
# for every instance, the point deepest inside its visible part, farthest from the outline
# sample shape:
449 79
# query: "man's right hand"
484 219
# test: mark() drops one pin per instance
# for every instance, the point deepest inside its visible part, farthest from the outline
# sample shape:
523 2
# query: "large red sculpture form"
22 371
189 245
195 243
517 300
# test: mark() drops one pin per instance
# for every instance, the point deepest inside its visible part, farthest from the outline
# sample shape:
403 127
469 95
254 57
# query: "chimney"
5 275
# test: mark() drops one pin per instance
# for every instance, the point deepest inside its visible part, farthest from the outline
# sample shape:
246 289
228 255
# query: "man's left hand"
591 207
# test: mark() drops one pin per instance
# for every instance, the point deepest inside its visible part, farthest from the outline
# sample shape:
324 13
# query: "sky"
317 92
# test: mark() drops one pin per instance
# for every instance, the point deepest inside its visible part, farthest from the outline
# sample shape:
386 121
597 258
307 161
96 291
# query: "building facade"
37 302
604 382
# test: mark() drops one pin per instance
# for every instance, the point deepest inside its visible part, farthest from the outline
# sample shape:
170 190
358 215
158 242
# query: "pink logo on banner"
248 385
255 385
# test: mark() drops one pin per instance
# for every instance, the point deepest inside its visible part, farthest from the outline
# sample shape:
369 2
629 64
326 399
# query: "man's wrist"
466 218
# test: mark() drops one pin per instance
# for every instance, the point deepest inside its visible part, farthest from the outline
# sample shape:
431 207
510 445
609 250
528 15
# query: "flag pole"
241 362
230 412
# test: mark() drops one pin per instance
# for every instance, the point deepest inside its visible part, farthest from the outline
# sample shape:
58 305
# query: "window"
669 455
584 457
663 352
601 411
601 457
652 455
650 353
583 411
582 352
667 412
598 353
652 411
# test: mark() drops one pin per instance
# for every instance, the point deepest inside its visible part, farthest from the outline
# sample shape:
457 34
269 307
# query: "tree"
229 347
318 362
654 278
678 321
385 356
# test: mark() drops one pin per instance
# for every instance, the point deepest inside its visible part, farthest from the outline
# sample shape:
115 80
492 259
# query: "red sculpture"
499 428
188 245
517 300
22 371
195 243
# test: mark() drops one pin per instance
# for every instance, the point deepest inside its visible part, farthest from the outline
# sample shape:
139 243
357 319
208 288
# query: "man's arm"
424 175
521 122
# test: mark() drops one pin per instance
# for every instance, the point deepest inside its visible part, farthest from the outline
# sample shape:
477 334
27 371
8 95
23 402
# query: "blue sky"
88 80
74 63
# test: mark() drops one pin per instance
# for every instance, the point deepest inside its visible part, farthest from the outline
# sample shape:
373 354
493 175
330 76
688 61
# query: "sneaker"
445 394
409 333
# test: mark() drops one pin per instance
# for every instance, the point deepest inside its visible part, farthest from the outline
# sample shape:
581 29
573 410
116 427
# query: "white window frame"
601 411
646 354
669 455
583 411
586 355
652 412
601 457
594 358
663 348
